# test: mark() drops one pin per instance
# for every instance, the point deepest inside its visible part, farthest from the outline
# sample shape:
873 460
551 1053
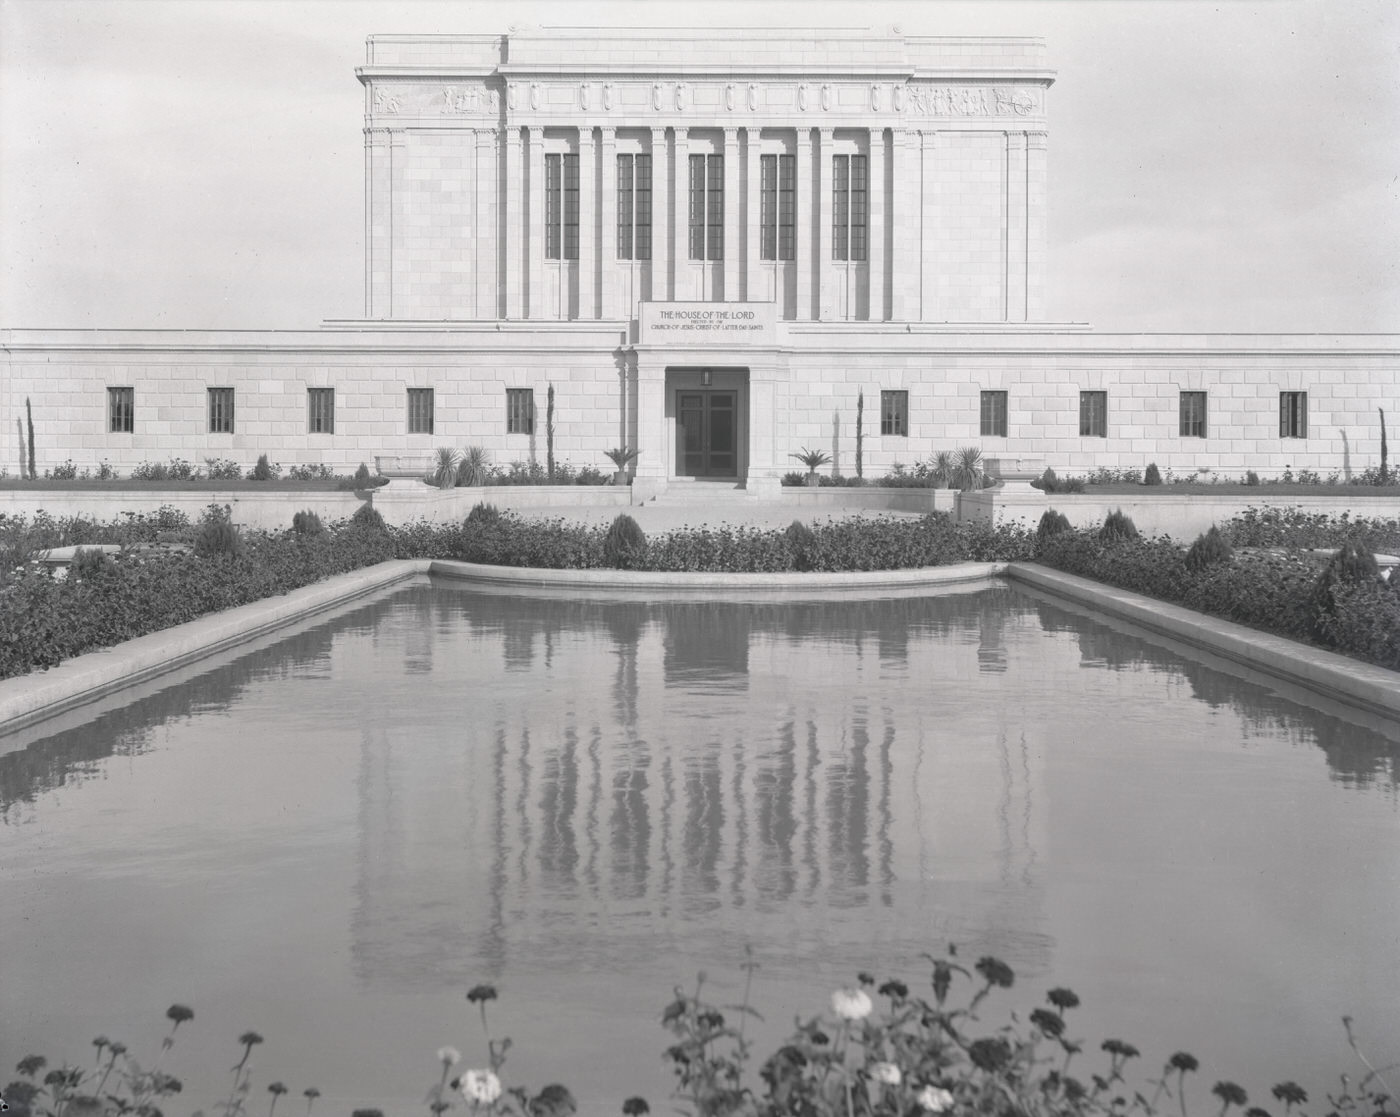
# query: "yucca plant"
968 469
445 472
474 467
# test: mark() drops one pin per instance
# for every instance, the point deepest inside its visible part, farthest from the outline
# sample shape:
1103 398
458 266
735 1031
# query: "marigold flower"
935 1099
851 1004
1230 1093
1048 1022
895 990
1183 1061
481 993
1290 1093
996 972
480 1087
179 1014
887 1073
1063 998
449 1056
633 1107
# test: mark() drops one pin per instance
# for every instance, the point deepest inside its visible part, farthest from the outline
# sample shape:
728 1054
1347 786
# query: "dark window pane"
840 206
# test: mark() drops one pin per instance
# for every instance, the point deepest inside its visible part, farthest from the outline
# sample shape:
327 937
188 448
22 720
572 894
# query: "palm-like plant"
941 469
812 459
622 456
968 470
474 467
445 473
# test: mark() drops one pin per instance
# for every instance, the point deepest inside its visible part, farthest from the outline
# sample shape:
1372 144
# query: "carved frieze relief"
971 100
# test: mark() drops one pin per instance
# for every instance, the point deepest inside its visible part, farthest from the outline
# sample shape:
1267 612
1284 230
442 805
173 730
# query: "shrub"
794 479
969 470
1153 476
483 515
1051 523
1046 481
474 467
800 539
312 472
1209 548
362 475
87 562
1250 477
625 544
367 516
217 535
307 523
1117 526
590 476
65 472
222 469
444 474
263 471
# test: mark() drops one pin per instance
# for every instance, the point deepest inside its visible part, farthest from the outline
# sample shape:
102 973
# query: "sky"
1214 166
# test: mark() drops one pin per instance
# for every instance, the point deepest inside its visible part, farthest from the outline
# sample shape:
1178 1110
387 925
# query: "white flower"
851 1004
887 1073
935 1100
449 1056
480 1087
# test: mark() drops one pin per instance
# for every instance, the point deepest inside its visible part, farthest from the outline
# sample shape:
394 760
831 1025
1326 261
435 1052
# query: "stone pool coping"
32 698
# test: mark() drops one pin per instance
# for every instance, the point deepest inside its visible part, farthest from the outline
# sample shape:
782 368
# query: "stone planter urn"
1016 473
813 481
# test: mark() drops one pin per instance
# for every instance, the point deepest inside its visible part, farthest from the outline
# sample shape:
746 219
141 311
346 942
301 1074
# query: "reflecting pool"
329 837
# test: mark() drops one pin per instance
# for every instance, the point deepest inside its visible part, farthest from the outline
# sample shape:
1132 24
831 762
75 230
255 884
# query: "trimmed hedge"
1265 590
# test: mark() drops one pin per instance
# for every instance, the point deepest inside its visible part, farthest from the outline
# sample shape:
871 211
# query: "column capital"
1037 141
682 132
658 134
826 135
397 137
609 133
731 134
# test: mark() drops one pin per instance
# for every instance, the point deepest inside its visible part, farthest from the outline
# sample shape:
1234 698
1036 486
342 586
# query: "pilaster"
806 219
929 227
1036 222
588 220
398 160
379 216
1015 227
660 216
876 297
825 264
534 230
906 172
683 286
733 217
753 239
607 207
513 212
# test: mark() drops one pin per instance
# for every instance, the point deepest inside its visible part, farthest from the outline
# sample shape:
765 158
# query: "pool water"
330 837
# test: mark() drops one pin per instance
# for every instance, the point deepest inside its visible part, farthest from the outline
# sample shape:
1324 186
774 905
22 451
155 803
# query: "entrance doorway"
707 433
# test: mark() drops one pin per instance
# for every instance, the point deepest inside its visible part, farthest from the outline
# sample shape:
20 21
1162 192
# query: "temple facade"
719 248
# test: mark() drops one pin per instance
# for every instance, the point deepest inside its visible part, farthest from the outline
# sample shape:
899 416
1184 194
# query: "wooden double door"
707 433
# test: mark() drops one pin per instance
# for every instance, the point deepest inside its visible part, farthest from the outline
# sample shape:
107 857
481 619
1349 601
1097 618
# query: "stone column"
905 219
876 300
660 217
806 249
1036 182
378 223
652 429
587 226
398 258
733 213
825 264
514 205
1015 227
683 287
607 208
753 237
534 230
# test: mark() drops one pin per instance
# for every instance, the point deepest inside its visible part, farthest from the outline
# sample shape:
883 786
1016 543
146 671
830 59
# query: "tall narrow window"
520 411
1193 414
1293 414
994 414
634 207
420 411
121 410
561 207
707 207
894 413
320 410
220 410
1093 414
777 207
850 207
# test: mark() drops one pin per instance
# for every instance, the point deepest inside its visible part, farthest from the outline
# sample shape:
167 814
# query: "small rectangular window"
320 410
894 413
1293 414
1193 414
641 189
634 207
994 414
777 207
220 410
121 410
1093 414
420 411
520 411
